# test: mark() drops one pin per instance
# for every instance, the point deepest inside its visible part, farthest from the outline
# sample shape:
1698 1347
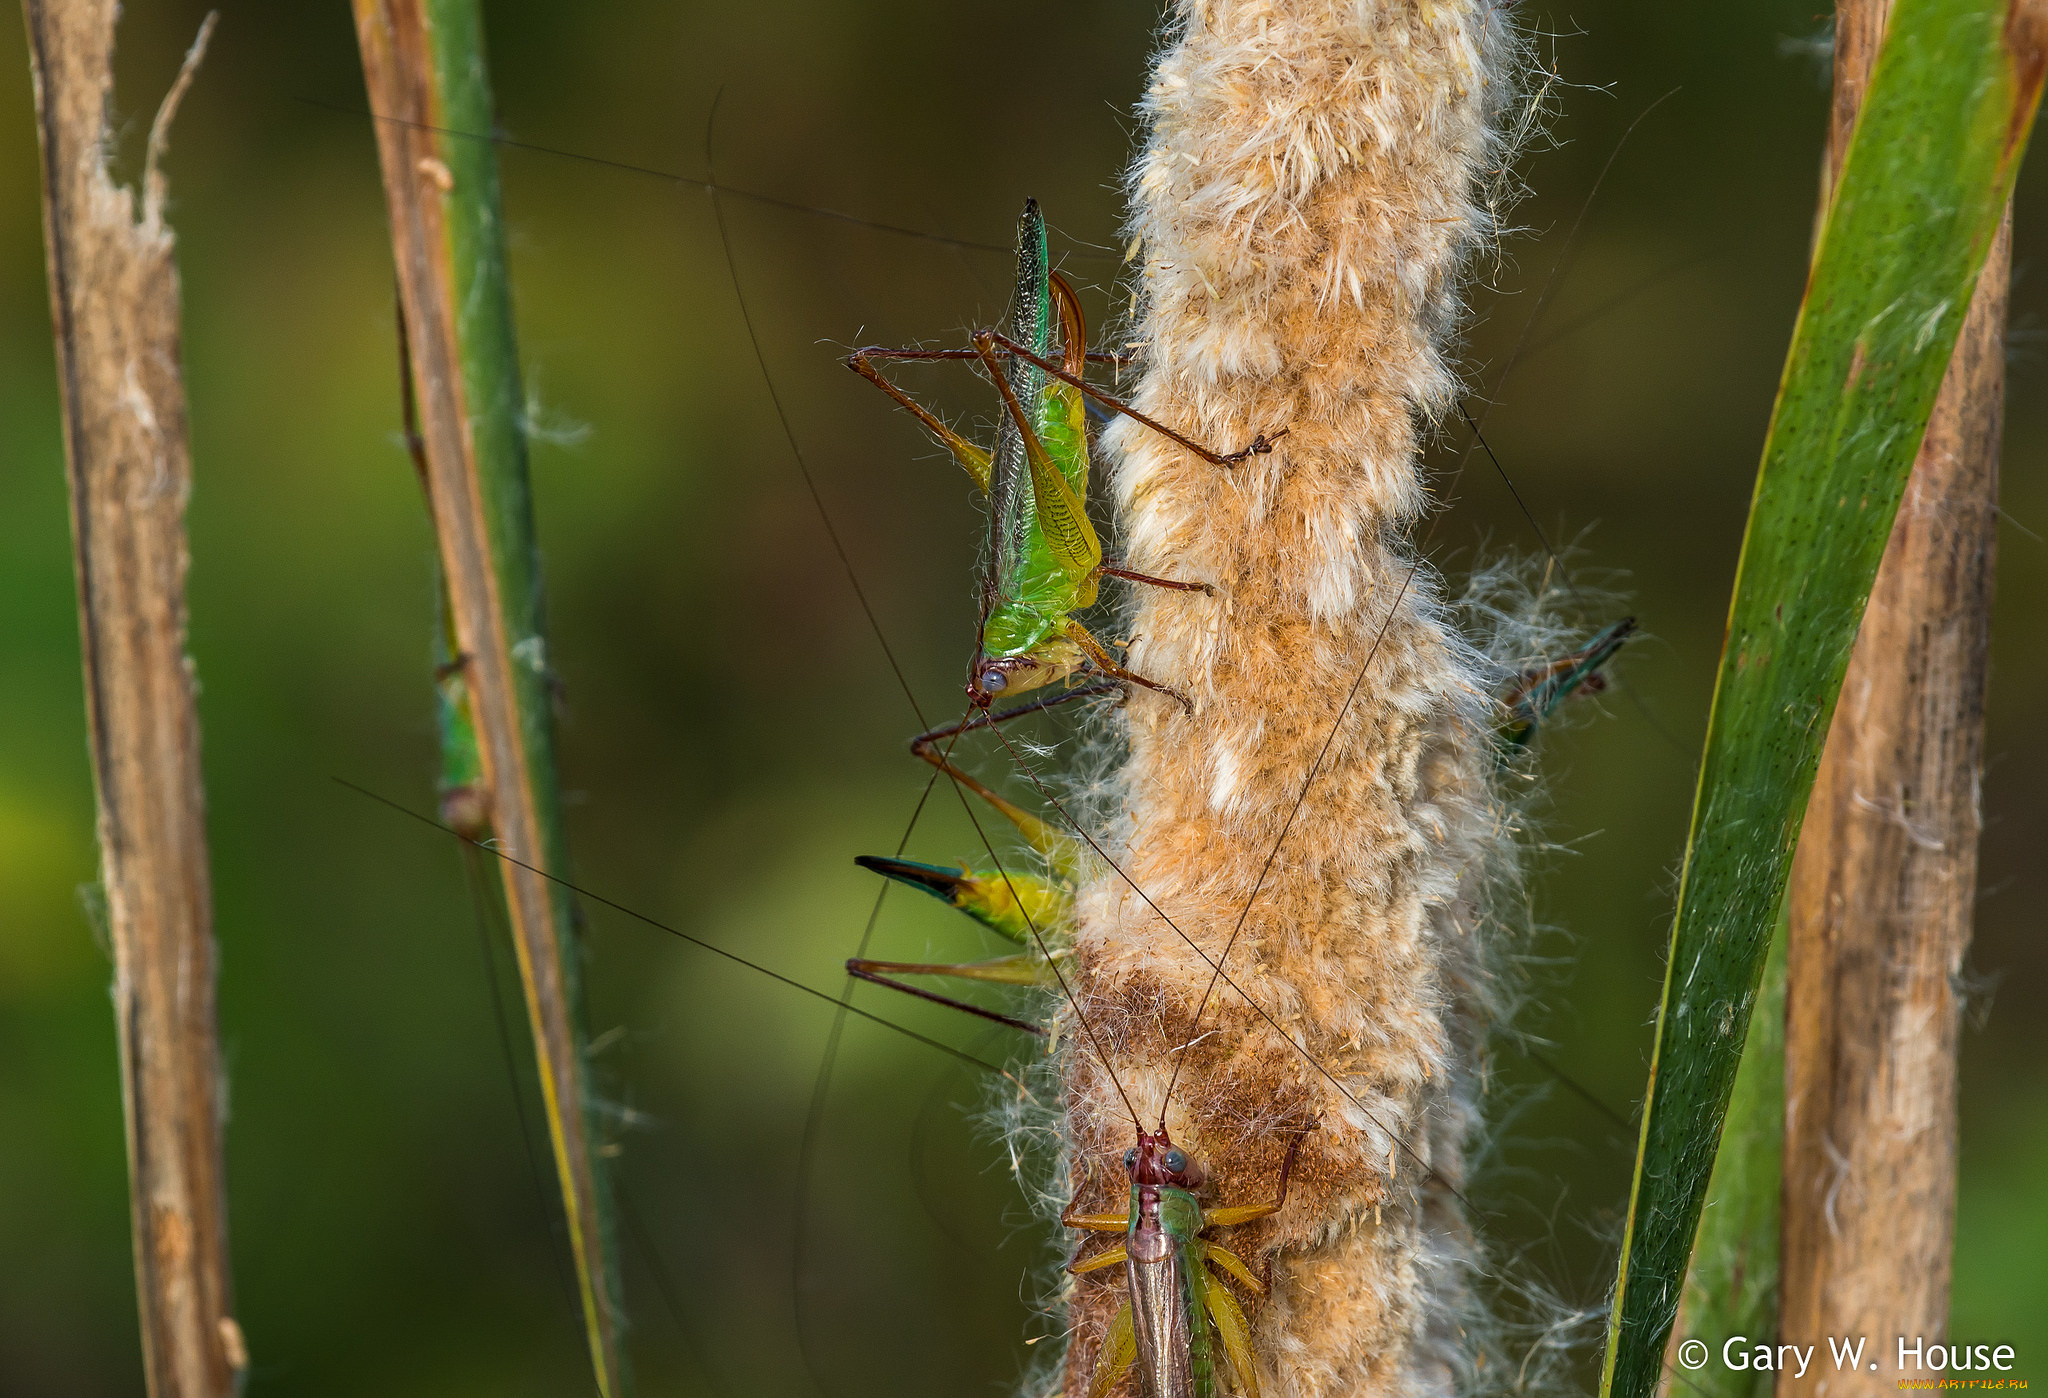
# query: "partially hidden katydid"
1535 694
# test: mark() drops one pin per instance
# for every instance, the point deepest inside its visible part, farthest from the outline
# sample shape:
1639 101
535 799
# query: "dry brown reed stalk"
1884 883
114 304
1314 175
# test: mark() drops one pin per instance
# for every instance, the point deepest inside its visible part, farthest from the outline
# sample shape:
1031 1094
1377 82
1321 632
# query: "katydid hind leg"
1039 834
1062 513
1020 969
872 972
973 459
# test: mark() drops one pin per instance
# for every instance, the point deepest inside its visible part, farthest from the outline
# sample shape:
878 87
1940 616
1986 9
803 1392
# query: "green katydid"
1045 558
1179 1310
1045 564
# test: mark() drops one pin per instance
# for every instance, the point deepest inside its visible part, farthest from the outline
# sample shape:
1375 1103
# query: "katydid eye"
994 680
1176 1162
1131 1158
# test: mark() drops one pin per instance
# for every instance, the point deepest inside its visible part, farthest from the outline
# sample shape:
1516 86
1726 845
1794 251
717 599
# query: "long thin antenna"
1300 797
1551 283
789 433
710 186
678 932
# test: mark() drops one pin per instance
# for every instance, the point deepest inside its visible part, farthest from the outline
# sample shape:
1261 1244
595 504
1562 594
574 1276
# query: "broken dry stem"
114 304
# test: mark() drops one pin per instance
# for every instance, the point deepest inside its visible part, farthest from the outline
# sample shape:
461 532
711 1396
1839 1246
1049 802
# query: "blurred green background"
732 735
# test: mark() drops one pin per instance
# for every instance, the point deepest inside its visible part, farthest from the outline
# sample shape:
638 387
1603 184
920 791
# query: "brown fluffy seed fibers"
1311 182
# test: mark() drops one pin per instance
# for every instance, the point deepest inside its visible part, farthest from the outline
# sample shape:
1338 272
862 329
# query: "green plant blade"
425 71
1922 191
1733 1286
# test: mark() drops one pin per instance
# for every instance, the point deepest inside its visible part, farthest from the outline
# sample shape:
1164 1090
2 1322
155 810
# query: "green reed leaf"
1923 188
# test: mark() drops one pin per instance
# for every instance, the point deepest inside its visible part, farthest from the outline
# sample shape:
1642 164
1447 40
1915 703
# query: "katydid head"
1157 1161
1003 676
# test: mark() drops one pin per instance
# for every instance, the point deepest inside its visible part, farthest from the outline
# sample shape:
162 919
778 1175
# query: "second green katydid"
1179 1311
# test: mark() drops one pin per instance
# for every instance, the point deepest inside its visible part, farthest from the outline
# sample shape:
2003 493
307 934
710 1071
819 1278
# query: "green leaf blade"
1923 189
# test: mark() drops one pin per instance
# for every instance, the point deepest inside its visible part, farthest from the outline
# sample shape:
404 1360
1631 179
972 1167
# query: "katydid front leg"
1232 1216
1099 656
1115 570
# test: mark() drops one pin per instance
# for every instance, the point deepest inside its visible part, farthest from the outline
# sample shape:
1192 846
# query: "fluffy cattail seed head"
1314 175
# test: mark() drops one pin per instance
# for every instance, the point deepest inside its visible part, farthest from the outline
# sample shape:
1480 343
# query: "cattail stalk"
423 65
1312 180
114 304
1885 879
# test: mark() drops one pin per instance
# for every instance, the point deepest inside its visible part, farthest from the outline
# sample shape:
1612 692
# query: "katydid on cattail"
1164 1331
1042 382
1045 559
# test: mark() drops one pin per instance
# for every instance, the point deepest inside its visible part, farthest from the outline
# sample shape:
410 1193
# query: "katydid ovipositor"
1045 559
